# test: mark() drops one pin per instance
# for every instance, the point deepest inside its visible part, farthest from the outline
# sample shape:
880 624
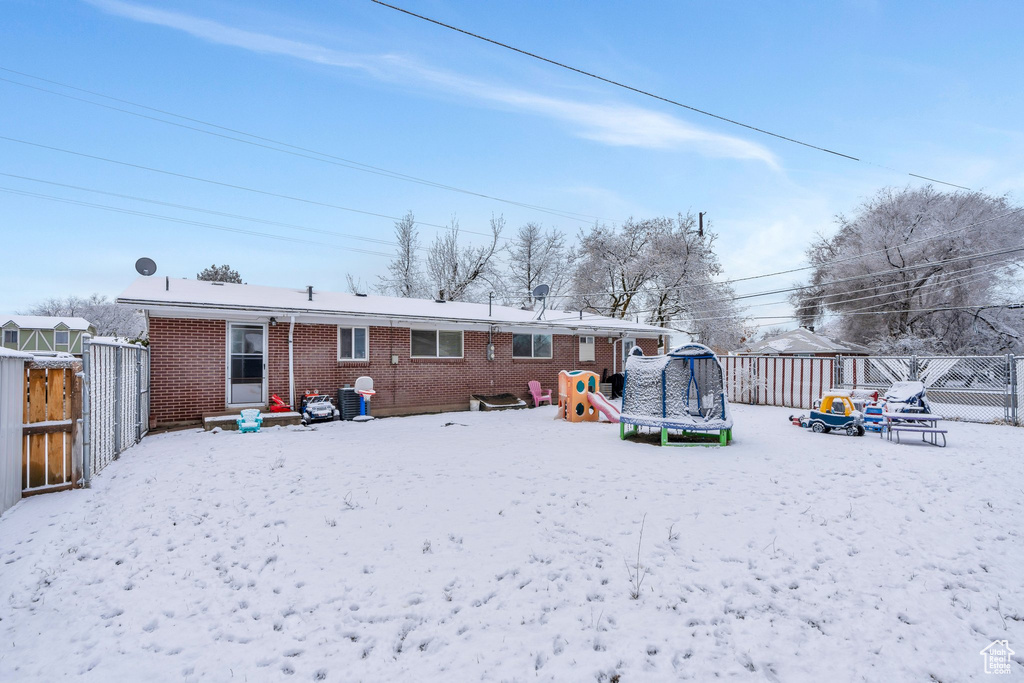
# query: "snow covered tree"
217 273
535 257
405 276
912 272
662 271
458 269
110 319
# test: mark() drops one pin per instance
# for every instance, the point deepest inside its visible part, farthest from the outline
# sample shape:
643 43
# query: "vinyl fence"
969 388
116 413
12 390
777 380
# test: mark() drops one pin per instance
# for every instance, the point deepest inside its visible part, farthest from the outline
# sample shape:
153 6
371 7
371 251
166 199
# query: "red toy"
277 405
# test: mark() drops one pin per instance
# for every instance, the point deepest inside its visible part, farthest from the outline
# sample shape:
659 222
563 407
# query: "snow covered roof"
44 322
11 353
802 341
173 297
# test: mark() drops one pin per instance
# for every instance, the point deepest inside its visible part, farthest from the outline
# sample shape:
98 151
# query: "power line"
957 259
812 267
186 207
901 287
224 184
184 221
284 148
645 93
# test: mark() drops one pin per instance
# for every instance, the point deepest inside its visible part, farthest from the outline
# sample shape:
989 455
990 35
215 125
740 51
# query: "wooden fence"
52 448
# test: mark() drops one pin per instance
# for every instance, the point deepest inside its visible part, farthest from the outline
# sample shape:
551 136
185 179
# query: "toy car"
833 411
318 408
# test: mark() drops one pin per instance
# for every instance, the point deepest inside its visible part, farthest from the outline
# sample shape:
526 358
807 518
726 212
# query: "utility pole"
700 224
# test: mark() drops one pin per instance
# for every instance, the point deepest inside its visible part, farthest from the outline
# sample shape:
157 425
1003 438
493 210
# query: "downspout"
291 362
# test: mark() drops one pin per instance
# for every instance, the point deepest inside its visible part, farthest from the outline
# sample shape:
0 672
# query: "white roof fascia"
159 309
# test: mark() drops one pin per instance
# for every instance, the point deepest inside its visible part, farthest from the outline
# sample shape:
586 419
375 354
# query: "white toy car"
318 408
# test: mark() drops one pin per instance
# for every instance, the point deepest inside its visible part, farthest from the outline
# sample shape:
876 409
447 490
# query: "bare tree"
661 270
405 277
355 285
110 319
459 270
535 257
217 273
908 273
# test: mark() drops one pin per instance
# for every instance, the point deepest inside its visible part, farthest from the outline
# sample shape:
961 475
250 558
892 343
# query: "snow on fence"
12 387
777 380
117 411
969 388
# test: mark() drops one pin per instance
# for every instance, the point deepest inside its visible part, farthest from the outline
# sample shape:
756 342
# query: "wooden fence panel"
50 412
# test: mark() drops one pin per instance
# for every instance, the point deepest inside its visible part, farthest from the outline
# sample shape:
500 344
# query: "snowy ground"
496 548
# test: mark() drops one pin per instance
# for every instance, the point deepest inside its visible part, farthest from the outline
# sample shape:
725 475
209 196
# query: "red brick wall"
187 365
188 359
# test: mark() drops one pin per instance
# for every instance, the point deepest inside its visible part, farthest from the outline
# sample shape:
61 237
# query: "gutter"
571 325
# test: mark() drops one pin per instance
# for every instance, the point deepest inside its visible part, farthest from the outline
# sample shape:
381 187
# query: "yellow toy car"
833 411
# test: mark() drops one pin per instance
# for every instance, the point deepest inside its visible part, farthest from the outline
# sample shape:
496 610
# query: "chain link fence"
969 388
116 403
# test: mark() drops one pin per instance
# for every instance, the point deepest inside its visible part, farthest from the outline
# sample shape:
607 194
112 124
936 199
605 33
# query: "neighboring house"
803 342
44 334
217 347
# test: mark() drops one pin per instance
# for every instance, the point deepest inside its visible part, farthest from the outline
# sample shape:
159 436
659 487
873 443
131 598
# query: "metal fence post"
86 409
913 369
1011 387
117 401
138 393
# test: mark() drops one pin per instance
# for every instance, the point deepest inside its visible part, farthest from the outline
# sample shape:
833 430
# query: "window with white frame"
435 343
352 343
11 337
586 349
60 337
531 346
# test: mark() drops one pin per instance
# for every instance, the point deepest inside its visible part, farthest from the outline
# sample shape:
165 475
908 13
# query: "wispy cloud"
610 124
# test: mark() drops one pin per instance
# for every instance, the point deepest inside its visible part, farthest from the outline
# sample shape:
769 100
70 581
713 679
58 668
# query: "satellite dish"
541 291
145 266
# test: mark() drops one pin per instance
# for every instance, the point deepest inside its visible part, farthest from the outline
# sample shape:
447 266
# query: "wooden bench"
897 428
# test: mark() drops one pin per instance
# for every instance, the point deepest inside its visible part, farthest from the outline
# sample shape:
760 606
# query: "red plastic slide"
604 405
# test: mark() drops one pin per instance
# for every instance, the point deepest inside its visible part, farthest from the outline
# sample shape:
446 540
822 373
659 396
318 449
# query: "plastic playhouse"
683 391
574 403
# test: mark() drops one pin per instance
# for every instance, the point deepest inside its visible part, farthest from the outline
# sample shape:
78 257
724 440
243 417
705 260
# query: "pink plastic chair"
538 395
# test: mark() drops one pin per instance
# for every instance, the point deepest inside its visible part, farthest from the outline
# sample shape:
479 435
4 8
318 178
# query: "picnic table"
925 424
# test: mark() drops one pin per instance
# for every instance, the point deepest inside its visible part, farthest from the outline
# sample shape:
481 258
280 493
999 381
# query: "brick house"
217 347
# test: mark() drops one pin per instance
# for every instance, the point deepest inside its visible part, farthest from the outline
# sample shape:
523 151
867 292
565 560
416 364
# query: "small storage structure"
683 390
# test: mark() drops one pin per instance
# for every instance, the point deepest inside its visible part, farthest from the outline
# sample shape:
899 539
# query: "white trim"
533 336
437 343
353 328
227 364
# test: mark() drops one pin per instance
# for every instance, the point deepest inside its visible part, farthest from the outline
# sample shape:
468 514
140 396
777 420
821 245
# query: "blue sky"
926 88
